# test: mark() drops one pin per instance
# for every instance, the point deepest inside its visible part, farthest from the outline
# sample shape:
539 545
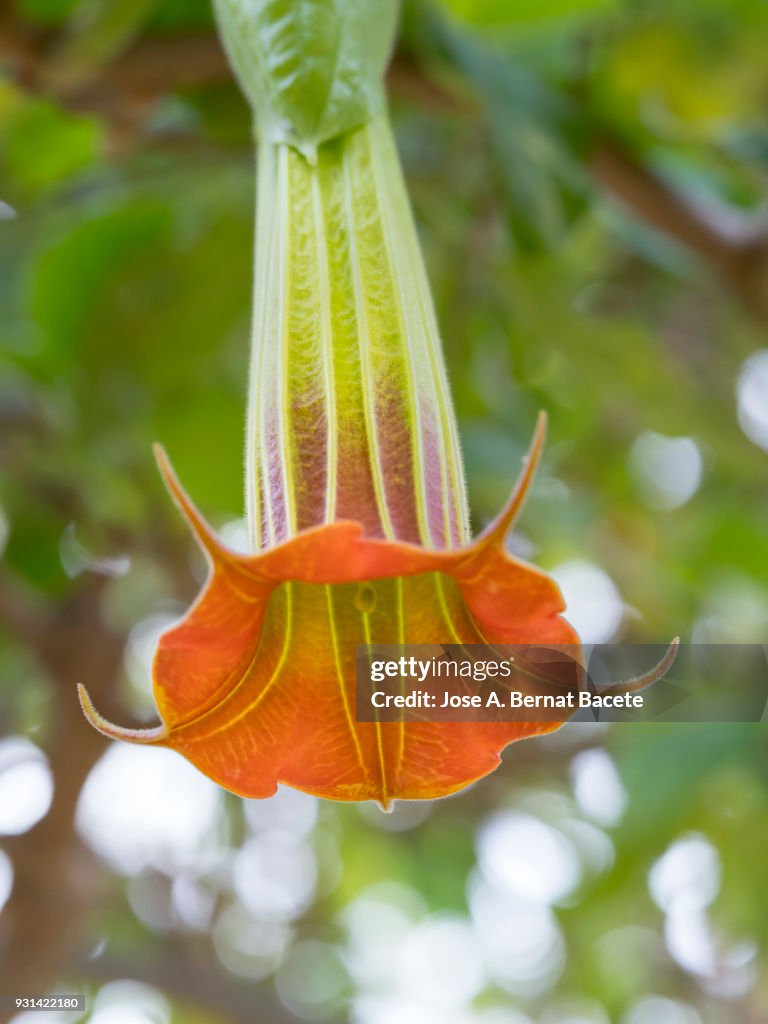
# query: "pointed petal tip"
163 463
498 530
117 732
205 535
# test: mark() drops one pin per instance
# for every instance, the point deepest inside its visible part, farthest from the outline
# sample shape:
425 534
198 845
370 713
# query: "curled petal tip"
642 682
117 732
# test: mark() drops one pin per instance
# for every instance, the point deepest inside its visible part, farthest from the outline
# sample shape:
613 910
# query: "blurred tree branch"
124 91
736 250
191 977
56 878
20 614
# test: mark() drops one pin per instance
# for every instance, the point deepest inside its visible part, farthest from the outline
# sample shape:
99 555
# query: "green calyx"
311 69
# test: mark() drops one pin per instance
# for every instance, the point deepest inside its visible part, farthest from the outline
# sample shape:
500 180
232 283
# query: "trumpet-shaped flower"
355 489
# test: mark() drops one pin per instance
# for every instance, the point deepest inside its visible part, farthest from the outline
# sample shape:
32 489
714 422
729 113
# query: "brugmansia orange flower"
355 488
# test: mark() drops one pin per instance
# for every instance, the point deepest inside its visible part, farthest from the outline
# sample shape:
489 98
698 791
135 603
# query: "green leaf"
311 69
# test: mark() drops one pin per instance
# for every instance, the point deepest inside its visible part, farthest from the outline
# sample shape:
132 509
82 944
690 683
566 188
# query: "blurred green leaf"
42 145
534 135
97 31
50 12
494 14
173 15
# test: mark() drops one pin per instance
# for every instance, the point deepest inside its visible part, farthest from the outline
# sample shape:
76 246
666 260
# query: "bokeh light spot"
686 876
312 981
752 398
656 1010
26 785
274 875
667 470
129 1002
597 786
6 879
522 856
289 810
247 947
143 807
440 962
521 942
593 603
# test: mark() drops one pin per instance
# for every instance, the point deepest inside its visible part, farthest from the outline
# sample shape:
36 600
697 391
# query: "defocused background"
590 182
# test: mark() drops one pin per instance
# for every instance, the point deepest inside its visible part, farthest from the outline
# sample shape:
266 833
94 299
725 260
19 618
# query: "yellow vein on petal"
400 605
479 638
379 733
442 602
340 679
288 638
